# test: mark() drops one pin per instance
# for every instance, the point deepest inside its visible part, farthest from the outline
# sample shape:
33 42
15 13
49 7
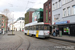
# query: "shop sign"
63 22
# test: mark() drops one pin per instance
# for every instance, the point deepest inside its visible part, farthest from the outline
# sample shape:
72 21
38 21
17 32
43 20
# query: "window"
46 6
56 17
37 28
49 12
46 27
64 12
59 3
34 27
49 20
56 5
68 0
41 27
2 24
64 1
73 9
68 9
53 7
49 4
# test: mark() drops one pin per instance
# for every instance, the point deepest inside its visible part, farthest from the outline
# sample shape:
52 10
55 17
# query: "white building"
63 15
18 25
63 10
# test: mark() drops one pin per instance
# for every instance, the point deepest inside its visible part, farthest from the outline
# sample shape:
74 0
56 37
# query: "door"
28 32
37 33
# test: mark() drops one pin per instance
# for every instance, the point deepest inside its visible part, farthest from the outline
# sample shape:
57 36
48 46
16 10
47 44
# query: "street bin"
60 33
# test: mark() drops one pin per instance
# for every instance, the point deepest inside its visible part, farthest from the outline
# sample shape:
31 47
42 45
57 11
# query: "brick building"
3 22
28 15
48 12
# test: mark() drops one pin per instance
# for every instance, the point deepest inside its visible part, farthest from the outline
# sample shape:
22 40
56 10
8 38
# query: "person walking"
57 32
54 34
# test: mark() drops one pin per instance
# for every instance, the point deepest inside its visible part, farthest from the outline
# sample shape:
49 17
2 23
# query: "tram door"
37 33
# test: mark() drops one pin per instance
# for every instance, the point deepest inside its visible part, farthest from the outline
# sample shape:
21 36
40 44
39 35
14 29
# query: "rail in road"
54 41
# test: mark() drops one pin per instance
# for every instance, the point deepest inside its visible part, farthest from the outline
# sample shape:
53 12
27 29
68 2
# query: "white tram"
39 30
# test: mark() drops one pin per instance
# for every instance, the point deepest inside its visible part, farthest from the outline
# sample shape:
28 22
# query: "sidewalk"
9 42
64 38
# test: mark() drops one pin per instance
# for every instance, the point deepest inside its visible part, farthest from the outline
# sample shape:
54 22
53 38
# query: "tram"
39 30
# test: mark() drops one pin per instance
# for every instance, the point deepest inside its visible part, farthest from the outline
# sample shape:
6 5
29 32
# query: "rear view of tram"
39 30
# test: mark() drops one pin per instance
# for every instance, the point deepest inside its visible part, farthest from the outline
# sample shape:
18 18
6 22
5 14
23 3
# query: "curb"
63 40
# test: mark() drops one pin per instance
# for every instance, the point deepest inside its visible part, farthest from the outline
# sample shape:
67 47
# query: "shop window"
66 29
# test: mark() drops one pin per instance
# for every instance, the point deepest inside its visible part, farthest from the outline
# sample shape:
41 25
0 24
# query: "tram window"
45 27
41 27
30 27
48 27
37 28
34 27
27 28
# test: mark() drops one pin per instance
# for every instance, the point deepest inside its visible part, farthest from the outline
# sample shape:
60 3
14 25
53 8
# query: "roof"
4 16
31 24
31 9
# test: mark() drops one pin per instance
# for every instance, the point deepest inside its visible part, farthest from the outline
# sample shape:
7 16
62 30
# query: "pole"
12 28
12 24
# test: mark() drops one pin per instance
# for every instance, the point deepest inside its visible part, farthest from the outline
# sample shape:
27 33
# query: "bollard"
60 33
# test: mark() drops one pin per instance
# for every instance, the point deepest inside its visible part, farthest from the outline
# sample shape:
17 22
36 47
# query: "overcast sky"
18 7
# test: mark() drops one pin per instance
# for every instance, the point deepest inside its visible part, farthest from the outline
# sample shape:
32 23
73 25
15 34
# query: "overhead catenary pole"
12 24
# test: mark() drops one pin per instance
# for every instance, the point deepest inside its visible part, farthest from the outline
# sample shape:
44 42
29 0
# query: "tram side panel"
31 32
34 32
41 34
46 33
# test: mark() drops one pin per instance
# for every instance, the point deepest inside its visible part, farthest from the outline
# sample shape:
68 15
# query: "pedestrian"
54 34
57 32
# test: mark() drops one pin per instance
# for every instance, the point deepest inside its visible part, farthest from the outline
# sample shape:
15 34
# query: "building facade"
37 15
18 25
28 15
3 23
48 12
63 16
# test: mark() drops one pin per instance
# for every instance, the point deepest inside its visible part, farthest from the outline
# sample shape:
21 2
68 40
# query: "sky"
17 8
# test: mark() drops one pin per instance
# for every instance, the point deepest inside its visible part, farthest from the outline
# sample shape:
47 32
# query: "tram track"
59 42
21 41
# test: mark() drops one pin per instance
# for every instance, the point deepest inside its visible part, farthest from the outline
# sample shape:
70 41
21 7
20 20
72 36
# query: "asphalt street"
19 41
